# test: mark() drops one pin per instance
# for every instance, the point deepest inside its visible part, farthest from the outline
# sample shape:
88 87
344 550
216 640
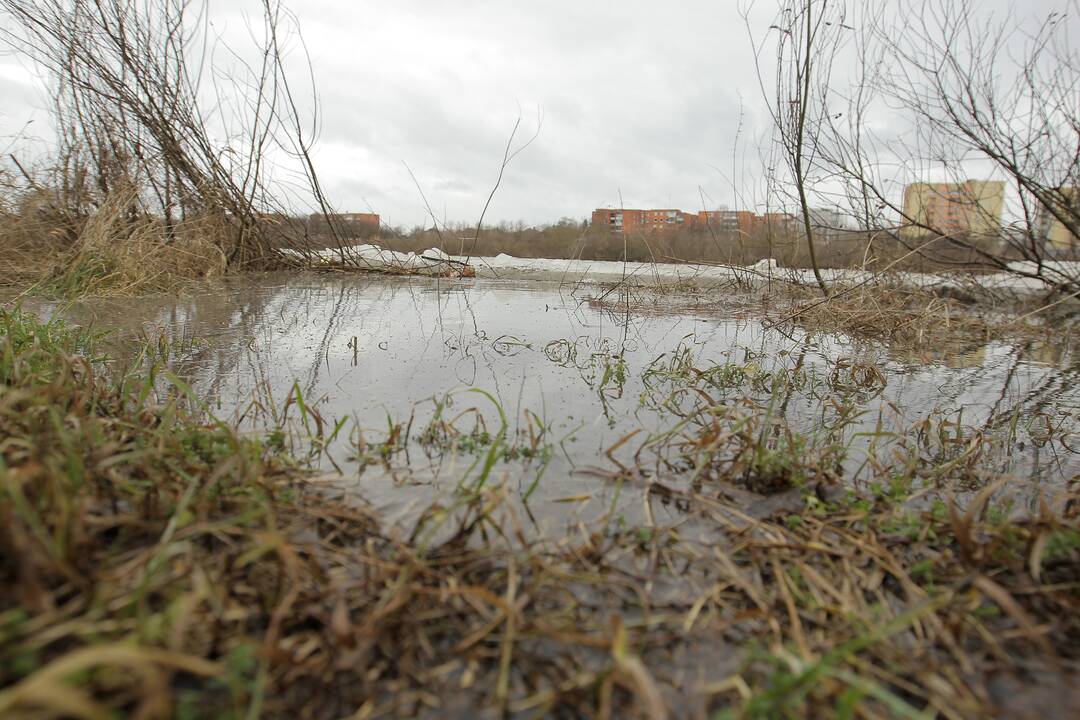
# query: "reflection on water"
381 350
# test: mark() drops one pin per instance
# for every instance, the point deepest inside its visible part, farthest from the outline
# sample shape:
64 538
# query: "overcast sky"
644 104
637 97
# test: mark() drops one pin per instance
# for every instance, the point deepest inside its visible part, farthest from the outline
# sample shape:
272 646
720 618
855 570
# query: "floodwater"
569 373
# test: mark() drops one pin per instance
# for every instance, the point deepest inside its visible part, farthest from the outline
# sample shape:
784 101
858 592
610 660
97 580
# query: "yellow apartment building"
1049 228
967 208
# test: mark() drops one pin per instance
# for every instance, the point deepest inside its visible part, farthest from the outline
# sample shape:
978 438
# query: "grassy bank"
155 563
113 251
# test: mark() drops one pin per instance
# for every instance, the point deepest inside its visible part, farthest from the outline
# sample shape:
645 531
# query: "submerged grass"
155 563
906 315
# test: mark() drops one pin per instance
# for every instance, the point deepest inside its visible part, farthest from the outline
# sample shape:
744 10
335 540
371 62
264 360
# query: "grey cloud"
633 98
640 98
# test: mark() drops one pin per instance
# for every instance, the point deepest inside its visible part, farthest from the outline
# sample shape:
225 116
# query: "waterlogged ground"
559 500
411 382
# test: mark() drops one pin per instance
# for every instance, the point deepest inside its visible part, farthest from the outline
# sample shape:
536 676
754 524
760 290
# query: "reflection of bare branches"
323 349
1016 354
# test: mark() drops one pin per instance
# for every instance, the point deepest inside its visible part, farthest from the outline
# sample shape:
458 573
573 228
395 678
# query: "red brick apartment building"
625 220
349 224
667 220
728 220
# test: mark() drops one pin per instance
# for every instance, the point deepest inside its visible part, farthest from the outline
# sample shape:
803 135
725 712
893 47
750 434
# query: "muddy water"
565 370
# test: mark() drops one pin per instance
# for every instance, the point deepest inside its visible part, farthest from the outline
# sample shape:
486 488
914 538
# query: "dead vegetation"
161 168
154 563
114 251
900 314
892 310
887 309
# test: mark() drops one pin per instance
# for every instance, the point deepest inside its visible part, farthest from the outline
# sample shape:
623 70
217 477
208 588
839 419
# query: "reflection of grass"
784 421
465 433
154 562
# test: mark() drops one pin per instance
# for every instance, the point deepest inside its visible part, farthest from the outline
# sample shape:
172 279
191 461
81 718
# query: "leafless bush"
146 109
803 31
941 90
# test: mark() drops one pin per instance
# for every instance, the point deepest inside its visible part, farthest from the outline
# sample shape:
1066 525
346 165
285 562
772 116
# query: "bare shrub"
941 90
150 108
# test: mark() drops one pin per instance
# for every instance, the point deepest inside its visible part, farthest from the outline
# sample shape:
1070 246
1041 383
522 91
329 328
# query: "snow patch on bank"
436 262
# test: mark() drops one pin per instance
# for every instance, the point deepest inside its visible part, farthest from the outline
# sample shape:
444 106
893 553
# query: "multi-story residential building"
742 221
827 223
620 220
667 220
972 207
779 223
360 225
1058 237
613 219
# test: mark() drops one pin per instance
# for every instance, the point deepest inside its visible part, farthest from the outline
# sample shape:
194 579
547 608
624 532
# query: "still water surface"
380 351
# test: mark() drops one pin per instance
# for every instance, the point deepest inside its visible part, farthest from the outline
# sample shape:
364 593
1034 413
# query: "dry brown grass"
112 251
906 317
903 315
32 237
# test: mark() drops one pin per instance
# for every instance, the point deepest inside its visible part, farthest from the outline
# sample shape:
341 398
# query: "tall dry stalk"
805 38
